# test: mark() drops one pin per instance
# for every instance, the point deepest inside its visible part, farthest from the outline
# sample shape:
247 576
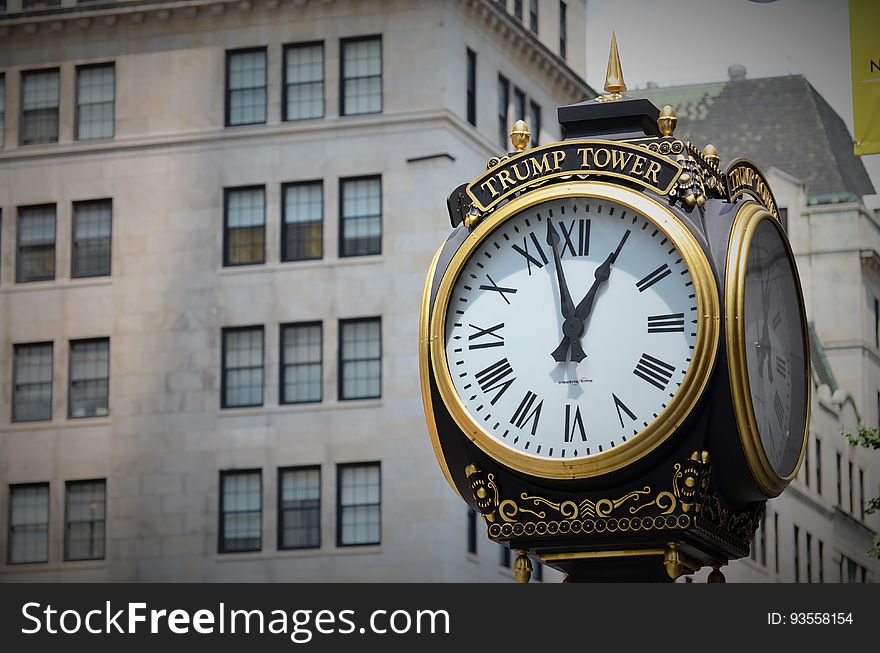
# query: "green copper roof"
777 122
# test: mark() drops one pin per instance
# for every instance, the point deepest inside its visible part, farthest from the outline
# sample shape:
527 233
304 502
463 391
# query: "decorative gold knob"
710 153
667 121
716 575
520 136
522 567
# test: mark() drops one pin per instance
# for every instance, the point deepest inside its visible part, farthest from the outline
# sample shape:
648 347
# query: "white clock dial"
559 379
774 338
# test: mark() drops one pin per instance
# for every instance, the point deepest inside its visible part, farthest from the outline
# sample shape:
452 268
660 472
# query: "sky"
674 42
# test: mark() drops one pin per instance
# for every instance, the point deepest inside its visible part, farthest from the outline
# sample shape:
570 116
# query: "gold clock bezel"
678 408
744 226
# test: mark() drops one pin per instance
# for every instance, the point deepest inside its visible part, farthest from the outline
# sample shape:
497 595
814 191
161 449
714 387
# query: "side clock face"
575 333
774 338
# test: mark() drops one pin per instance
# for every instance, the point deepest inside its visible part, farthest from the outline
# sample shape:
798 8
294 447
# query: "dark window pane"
28 523
32 391
301 363
85 520
359 504
39 107
245 226
92 224
361 217
303 222
36 244
241 511
89 378
300 508
243 367
360 359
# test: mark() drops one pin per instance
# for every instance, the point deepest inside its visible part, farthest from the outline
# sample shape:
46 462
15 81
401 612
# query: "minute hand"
585 306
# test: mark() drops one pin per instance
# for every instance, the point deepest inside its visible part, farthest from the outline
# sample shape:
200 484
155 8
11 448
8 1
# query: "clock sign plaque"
613 348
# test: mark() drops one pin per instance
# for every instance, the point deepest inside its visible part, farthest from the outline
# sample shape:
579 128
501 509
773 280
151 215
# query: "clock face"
775 347
571 329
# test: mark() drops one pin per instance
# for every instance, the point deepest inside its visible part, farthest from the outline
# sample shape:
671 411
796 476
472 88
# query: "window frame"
51 346
70 345
284 82
224 405
339 469
343 42
282 366
536 117
227 191
221 513
341 225
227 91
10 488
533 16
21 116
76 103
285 257
471 86
18 245
67 485
280 508
340 376
75 205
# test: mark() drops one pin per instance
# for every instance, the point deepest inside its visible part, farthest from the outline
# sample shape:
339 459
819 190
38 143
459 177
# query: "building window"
361 75
762 534
821 561
807 464
244 238
536 123
783 218
876 322
533 15
360 358
818 466
776 541
39 107
503 110
32 382
28 523
850 487
504 557
92 229
39 4
360 214
518 9
84 534
304 81
242 367
359 508
301 363
245 87
2 108
472 531
809 545
797 555
563 29
95 93
36 244
241 511
519 104
471 87
839 482
862 494
303 221
89 378
299 508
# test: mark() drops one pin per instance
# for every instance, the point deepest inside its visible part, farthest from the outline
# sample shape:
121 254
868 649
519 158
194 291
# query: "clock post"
613 353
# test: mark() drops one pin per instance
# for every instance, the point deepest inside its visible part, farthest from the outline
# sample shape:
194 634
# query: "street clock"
613 350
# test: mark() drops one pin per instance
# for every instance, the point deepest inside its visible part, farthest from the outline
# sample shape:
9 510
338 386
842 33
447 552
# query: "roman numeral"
654 277
583 238
492 339
494 378
618 404
672 323
574 422
780 411
525 413
499 289
654 371
781 367
529 258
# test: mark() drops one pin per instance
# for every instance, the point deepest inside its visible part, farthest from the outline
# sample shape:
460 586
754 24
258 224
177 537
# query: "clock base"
659 565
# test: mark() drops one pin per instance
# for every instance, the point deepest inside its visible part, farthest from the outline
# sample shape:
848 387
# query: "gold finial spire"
614 83
520 136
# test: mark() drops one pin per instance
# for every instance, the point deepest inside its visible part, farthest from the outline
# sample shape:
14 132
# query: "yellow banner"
864 34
